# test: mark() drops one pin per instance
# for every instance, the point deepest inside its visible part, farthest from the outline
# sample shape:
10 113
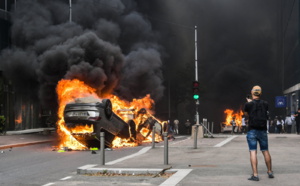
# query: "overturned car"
101 118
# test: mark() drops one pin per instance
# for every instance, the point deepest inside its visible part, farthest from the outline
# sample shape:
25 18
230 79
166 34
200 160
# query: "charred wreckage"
101 117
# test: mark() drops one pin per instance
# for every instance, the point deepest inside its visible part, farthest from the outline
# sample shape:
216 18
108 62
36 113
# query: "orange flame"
125 109
119 142
83 129
230 114
69 90
18 120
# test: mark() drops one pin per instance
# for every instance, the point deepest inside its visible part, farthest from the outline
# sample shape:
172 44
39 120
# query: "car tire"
107 108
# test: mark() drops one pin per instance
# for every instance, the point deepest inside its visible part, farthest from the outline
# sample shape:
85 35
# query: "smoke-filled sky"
133 48
108 45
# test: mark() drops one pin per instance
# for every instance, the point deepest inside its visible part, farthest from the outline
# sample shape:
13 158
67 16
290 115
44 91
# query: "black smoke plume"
116 45
107 44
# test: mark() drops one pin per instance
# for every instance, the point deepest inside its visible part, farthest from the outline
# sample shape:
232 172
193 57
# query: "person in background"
176 126
288 121
244 124
170 131
233 124
279 124
188 126
297 119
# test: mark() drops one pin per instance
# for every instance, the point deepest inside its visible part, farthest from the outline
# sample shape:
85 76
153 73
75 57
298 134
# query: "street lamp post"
196 75
70 11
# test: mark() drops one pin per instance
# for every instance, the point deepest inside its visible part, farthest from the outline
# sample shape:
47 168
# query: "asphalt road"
42 164
39 164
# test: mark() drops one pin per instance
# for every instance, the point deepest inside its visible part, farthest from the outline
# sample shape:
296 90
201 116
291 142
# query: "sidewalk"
215 162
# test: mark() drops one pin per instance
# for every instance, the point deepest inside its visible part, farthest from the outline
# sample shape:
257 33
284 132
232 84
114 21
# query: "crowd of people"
279 124
173 128
288 124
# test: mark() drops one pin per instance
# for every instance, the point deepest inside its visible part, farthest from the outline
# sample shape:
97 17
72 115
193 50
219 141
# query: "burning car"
99 117
82 115
226 126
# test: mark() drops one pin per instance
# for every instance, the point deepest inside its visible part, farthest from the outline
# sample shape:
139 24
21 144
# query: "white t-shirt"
288 120
243 122
233 123
280 122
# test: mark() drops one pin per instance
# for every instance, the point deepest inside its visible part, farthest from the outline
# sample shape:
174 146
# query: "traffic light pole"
196 75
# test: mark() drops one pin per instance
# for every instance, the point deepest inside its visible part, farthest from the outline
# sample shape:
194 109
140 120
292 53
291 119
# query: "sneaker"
270 174
253 178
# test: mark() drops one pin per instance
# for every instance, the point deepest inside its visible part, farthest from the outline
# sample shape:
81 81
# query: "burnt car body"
100 115
103 119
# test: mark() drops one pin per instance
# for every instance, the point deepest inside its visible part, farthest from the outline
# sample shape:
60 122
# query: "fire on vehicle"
83 115
226 126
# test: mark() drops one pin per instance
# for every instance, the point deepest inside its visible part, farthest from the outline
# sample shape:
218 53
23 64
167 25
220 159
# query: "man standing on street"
297 119
233 124
288 121
188 126
244 124
176 125
257 111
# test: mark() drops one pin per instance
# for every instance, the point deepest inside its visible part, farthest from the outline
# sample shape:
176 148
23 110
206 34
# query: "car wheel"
107 108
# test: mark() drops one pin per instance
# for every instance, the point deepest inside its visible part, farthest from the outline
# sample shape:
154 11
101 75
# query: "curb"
29 131
178 174
24 144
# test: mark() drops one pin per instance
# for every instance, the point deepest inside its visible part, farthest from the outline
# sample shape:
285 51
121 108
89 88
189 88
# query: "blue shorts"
260 136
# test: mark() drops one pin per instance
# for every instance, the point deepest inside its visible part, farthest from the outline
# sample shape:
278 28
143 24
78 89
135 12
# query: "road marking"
225 141
179 136
174 143
66 178
177 177
142 151
88 166
48 184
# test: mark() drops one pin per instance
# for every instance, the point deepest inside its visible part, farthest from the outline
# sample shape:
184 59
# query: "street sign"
280 101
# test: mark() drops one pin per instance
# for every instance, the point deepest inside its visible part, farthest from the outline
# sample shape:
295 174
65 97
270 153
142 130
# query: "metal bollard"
166 153
102 151
153 137
208 128
196 135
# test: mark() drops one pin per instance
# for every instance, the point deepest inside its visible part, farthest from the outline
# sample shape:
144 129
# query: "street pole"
166 149
153 137
102 151
196 75
70 11
197 100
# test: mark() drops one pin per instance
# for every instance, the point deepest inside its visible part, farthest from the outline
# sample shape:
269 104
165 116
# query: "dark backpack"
258 115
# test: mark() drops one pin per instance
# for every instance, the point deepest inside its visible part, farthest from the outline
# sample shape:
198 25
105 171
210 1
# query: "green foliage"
2 119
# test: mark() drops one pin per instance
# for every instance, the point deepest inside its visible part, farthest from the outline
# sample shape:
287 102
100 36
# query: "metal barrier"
102 152
166 148
153 137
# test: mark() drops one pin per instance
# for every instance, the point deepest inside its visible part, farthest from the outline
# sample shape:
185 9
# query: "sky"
133 48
